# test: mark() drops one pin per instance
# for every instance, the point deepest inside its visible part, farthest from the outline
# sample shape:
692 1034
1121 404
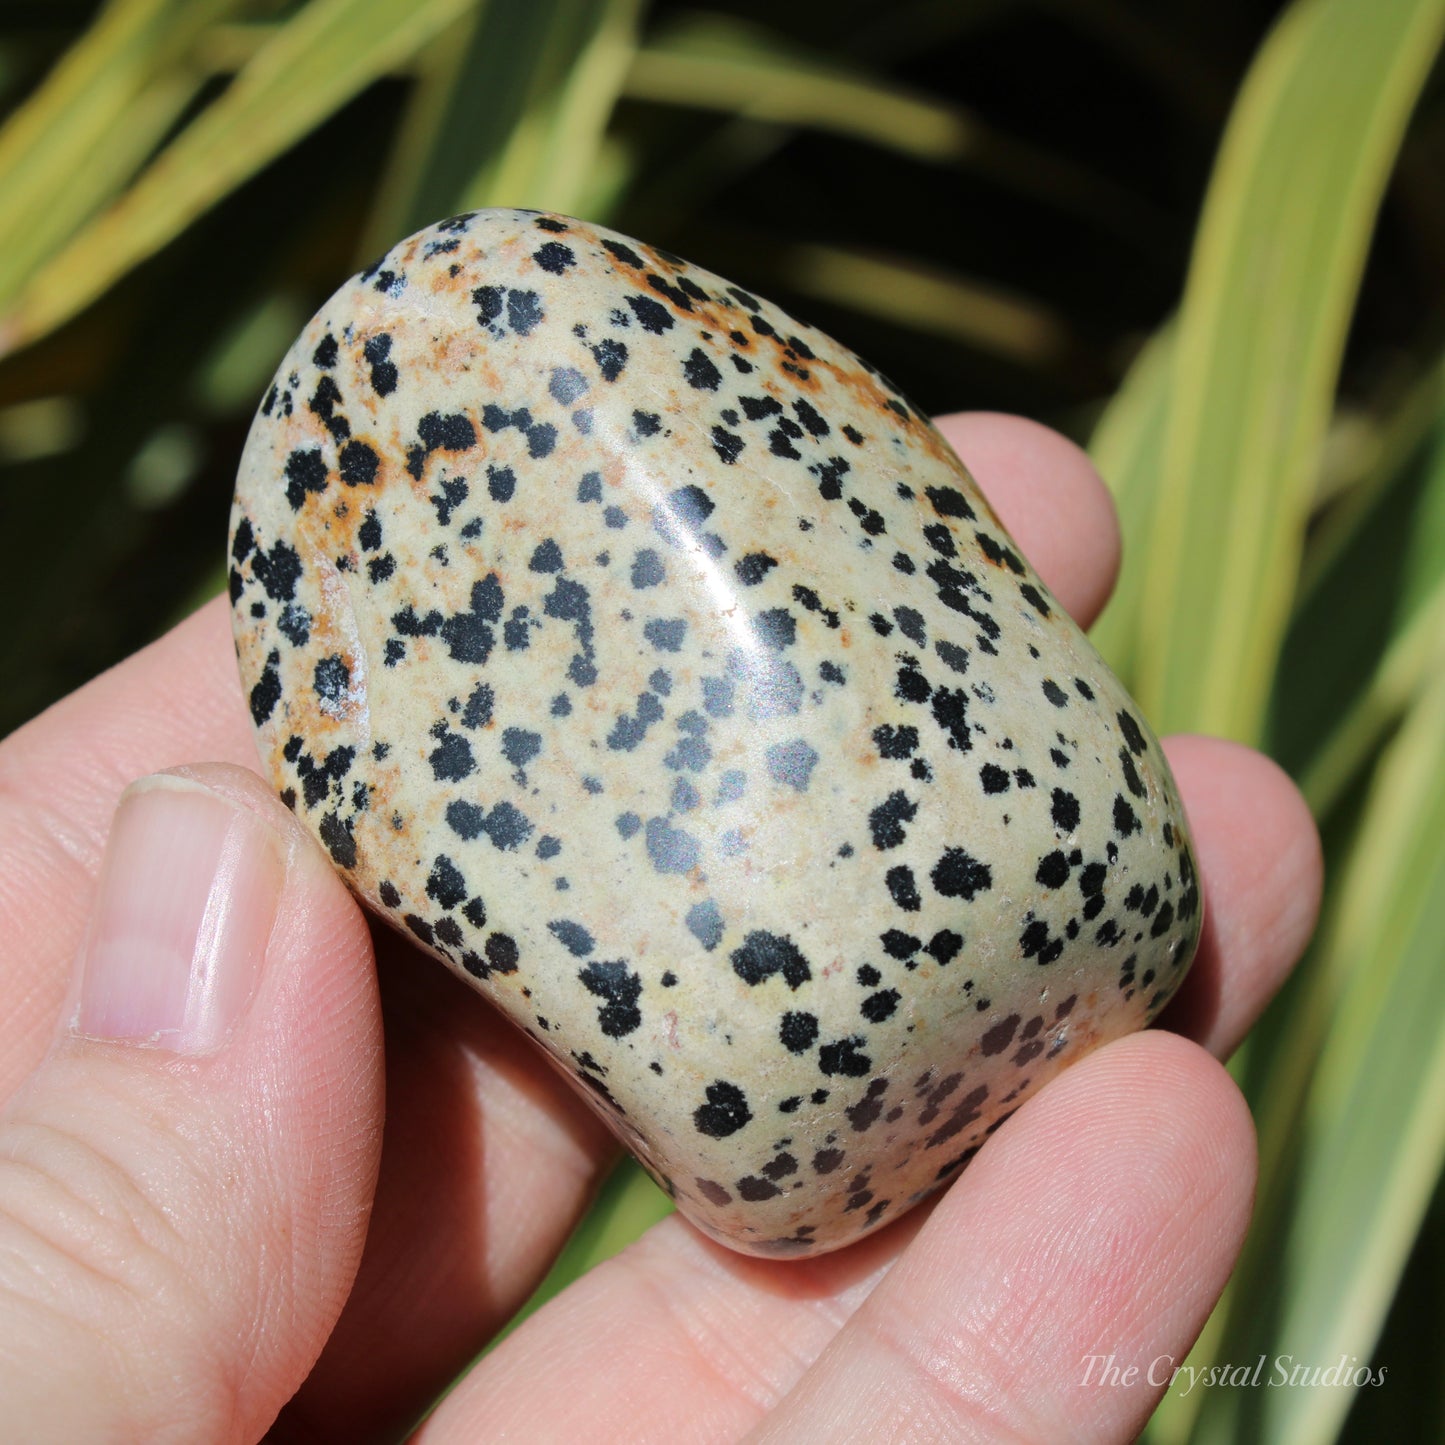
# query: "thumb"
185 1180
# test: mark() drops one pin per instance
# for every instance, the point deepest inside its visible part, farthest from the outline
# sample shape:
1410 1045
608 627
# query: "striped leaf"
1272 285
80 138
307 67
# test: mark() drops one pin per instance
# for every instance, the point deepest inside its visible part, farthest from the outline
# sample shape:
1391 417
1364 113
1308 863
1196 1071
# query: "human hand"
182 1221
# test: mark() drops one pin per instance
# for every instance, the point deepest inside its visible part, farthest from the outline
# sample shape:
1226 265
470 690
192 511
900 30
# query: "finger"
61 777
1102 1219
1047 1298
1261 874
489 1160
186 1178
1049 497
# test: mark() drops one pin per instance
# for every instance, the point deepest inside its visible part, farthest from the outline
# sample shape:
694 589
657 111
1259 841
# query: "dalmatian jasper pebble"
648 659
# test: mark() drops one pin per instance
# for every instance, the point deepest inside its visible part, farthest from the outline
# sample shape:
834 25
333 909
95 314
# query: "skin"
191 1248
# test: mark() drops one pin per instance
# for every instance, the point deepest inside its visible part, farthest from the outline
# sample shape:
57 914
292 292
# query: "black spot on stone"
899 945
1065 811
725 1112
377 352
478 710
910 623
846 1057
952 656
754 1190
305 472
1034 597
278 571
339 842
1054 693
1053 870
944 946
358 464
519 746
554 257
713 1192
331 680
958 874
611 357
1034 941
502 953
647 569
780 446
887 821
950 712
904 888
895 742
622 253
573 937
467 636
763 954
1132 735
267 691
1163 921
524 311
797 1032
994 779
446 886
651 315
1132 780
295 624
700 372
451 760
620 989
506 826
879 1006
949 502
728 445
753 568
1000 1036
756 408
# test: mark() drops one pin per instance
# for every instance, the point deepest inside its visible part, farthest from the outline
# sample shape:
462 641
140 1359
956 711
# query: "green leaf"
1272 286
515 116
1375 1125
1399 432
315 62
1414 657
1359 650
1126 445
575 82
928 299
81 137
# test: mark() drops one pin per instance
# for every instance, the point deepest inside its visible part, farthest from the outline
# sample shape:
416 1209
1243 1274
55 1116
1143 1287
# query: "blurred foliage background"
1206 238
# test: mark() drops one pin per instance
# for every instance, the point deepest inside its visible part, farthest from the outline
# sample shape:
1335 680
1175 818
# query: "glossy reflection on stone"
648 659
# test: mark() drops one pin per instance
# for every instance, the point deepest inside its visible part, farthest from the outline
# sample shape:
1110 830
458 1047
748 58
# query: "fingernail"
177 940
